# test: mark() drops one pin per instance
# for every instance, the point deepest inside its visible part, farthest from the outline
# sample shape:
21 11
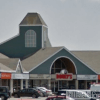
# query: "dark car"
42 93
30 92
4 93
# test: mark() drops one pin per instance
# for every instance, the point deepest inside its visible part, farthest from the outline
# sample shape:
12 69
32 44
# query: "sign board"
20 76
68 76
98 77
87 77
5 75
40 76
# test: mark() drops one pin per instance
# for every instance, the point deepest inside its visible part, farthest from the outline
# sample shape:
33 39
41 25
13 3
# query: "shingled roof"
10 63
3 56
38 57
90 58
5 68
33 19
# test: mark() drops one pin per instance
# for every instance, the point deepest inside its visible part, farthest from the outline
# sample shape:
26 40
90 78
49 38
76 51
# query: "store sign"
20 76
68 76
98 77
87 77
5 75
40 76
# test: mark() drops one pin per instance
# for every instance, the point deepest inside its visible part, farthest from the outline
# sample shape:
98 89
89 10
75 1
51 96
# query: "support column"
96 81
54 85
7 82
85 84
11 85
0 82
49 84
26 83
21 83
67 83
76 84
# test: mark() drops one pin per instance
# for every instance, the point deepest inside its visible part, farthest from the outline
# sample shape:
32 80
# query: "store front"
5 79
64 71
15 81
40 80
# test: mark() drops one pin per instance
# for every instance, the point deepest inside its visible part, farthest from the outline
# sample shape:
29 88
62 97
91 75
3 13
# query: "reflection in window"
30 38
58 66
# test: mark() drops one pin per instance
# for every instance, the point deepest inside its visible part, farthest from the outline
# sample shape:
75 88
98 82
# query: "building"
29 60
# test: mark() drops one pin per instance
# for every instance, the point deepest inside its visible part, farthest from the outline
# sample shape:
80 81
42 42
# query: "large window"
58 66
30 38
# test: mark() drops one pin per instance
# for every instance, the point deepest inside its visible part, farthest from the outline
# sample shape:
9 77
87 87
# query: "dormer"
35 30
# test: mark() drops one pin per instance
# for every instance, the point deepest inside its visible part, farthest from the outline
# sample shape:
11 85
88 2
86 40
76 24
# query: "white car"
76 94
49 92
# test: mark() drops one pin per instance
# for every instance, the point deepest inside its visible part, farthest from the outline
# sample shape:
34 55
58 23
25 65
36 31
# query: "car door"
29 92
23 93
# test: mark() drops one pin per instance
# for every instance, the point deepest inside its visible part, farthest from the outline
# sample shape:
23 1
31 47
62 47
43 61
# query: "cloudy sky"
74 24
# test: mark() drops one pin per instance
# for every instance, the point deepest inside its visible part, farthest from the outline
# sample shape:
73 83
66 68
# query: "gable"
19 69
81 68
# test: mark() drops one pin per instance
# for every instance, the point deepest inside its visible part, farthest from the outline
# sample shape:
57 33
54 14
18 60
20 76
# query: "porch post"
26 83
11 85
49 84
97 81
21 83
0 82
85 84
76 84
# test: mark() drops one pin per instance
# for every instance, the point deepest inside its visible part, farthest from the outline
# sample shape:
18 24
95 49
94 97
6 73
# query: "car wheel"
2 97
34 96
41 94
16 95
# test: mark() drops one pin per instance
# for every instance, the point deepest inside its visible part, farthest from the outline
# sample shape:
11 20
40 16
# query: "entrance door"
63 84
54 86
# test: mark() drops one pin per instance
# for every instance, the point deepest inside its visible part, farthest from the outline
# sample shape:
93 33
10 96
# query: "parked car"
30 92
39 91
4 93
49 92
43 93
76 94
59 98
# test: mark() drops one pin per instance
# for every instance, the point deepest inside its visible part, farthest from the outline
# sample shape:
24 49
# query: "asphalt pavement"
28 98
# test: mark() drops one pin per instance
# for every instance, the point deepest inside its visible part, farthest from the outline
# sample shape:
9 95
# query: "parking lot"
28 98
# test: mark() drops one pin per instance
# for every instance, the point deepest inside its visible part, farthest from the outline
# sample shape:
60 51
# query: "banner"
40 76
20 76
87 77
5 75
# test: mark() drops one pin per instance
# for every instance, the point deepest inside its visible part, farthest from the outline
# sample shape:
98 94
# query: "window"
58 66
30 38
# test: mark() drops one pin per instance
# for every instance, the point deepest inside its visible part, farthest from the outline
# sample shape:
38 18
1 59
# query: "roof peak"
33 19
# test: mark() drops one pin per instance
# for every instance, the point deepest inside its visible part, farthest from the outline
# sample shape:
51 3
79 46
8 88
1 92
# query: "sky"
74 24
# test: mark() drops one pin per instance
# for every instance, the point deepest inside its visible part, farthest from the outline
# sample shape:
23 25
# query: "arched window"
58 66
30 38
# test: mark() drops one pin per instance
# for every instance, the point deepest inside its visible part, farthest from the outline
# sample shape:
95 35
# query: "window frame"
30 38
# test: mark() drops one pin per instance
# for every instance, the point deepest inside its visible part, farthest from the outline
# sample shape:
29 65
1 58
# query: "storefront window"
24 84
16 85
